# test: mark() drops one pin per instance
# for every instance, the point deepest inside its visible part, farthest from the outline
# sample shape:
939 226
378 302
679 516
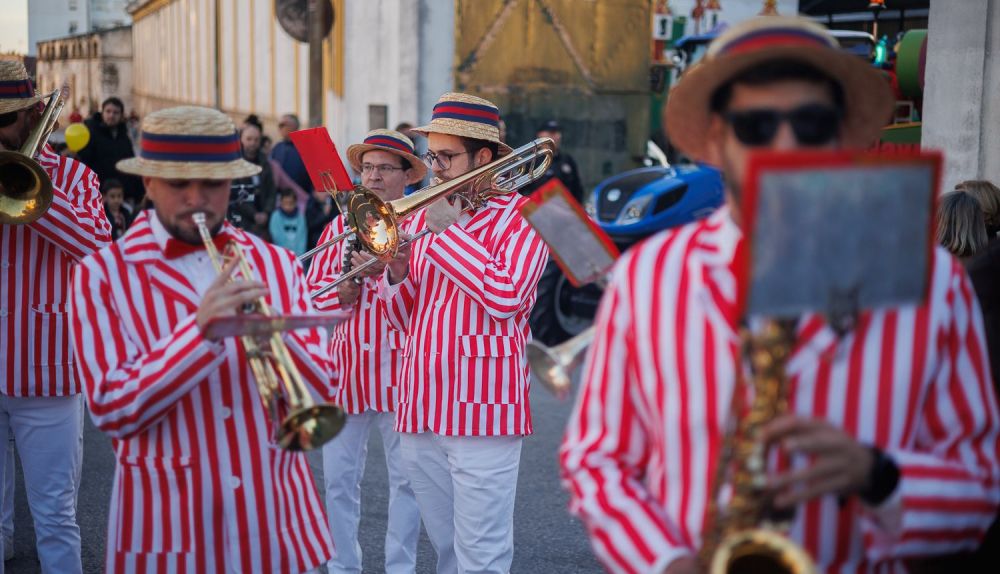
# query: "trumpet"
552 366
25 188
376 223
300 424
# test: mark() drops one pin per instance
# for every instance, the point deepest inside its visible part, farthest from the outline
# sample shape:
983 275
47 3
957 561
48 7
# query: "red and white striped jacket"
367 350
36 262
641 446
465 306
199 487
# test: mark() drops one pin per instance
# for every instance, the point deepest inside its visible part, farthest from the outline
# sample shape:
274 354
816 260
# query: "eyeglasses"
813 124
442 159
384 168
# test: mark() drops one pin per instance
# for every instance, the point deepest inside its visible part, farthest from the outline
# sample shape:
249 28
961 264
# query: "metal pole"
317 17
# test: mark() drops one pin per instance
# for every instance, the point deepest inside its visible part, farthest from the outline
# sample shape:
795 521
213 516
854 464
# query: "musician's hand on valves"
400 264
225 298
360 258
441 214
838 463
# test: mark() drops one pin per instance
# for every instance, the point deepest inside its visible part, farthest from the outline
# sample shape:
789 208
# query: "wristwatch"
882 480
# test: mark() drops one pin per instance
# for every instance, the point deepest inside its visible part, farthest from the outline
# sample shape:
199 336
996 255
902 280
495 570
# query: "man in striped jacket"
893 427
368 353
464 298
199 485
39 393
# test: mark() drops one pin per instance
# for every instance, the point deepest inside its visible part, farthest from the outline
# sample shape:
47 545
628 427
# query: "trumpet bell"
25 189
311 427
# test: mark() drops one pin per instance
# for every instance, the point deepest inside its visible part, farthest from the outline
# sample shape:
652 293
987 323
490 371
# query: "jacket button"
225 412
234 482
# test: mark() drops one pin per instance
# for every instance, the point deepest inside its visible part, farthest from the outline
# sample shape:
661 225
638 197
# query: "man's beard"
193 236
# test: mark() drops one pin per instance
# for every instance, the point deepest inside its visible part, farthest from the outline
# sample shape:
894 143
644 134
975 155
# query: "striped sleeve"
325 267
75 222
310 348
501 282
129 389
606 449
949 485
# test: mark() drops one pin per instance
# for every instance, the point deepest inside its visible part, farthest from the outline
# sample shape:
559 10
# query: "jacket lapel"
140 249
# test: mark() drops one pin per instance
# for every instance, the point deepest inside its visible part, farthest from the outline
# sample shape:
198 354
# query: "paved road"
546 538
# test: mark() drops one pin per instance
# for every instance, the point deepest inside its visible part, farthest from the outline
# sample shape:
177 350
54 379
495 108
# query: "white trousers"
465 488
343 468
48 433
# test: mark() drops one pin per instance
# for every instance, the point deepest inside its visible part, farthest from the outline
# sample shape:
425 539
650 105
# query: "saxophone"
747 536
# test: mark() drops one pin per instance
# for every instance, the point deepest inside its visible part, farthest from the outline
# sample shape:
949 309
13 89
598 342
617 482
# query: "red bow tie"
176 248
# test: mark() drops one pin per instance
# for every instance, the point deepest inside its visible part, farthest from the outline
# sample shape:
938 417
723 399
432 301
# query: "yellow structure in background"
583 63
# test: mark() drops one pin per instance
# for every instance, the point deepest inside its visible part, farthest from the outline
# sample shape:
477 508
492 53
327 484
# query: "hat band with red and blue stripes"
774 37
383 140
16 89
190 148
477 113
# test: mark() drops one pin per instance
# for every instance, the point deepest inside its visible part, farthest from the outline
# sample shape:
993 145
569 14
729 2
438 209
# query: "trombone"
376 222
552 366
300 424
25 188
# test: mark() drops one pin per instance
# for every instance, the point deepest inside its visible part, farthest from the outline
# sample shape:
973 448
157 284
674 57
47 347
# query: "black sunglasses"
813 124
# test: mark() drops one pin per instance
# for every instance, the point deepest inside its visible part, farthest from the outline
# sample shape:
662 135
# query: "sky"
14 25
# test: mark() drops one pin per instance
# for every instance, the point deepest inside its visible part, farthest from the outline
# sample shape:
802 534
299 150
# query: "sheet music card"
581 249
837 232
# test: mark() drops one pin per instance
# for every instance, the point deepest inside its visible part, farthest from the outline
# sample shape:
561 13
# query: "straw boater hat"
16 90
189 142
468 117
388 141
868 97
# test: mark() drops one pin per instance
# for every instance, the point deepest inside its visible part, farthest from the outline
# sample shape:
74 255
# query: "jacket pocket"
155 505
489 370
48 335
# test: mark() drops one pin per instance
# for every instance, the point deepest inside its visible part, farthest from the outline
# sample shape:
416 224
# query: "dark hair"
253 120
293 117
115 102
774 71
402 126
960 225
110 184
473 146
285 192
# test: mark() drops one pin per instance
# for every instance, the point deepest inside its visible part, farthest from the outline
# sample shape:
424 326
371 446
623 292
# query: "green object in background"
910 61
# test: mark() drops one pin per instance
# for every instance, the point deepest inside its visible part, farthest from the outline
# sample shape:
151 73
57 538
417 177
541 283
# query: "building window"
72 4
72 27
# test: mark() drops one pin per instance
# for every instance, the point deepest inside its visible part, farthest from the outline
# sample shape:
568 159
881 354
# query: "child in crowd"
113 193
288 224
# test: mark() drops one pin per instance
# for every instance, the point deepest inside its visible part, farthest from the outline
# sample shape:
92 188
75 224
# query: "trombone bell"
25 189
552 366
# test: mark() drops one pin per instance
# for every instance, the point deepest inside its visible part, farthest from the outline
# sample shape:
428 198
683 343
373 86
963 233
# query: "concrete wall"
96 67
962 88
381 68
437 54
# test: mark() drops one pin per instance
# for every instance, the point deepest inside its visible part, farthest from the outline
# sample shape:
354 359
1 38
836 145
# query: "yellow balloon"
77 137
